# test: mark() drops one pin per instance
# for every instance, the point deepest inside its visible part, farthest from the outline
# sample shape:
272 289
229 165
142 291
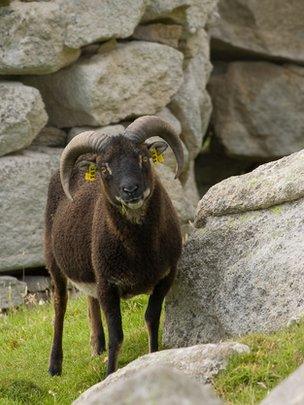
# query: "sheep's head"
123 160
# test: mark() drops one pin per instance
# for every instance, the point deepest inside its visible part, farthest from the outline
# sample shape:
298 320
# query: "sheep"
115 237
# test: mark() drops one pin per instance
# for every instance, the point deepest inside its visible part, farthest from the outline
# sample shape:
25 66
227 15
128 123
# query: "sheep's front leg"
110 304
153 312
98 343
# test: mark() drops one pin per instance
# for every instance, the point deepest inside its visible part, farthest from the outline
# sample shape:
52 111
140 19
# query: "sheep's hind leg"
153 312
110 303
60 303
98 343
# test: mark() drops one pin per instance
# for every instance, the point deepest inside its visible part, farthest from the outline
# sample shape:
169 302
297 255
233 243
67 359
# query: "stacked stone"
257 87
67 66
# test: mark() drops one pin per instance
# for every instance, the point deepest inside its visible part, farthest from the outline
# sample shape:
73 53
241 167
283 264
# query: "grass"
25 339
249 377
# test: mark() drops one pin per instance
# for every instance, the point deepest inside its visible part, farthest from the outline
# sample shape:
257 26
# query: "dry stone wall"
256 87
66 66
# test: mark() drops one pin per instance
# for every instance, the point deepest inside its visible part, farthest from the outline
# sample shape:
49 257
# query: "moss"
276 209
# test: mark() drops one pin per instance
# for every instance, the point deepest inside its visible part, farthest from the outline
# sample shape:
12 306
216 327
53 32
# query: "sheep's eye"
145 159
103 170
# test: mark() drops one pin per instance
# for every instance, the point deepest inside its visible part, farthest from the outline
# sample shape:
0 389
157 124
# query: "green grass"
25 339
249 377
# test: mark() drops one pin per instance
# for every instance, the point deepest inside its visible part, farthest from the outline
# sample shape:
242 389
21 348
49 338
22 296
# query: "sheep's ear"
159 146
83 164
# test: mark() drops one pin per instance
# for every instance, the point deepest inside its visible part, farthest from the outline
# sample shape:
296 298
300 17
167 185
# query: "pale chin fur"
136 205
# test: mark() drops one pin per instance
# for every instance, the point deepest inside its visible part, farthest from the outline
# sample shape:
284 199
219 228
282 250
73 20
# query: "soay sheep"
115 237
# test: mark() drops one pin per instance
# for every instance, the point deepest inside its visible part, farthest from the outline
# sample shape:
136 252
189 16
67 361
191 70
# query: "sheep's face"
126 172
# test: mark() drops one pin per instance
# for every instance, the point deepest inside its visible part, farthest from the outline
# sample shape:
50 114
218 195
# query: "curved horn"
150 125
85 142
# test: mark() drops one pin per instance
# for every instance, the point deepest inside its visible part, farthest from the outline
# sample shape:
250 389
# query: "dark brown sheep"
117 236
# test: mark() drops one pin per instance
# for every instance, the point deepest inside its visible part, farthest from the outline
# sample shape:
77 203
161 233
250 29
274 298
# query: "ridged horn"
148 126
85 142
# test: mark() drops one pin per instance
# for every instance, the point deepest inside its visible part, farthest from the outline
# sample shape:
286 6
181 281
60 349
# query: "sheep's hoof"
55 370
97 351
98 346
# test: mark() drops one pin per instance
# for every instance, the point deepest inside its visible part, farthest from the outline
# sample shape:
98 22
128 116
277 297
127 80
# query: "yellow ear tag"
156 156
90 174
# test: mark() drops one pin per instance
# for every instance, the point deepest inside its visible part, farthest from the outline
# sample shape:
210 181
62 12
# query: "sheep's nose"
130 190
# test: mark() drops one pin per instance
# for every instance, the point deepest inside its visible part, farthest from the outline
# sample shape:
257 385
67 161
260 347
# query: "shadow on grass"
21 390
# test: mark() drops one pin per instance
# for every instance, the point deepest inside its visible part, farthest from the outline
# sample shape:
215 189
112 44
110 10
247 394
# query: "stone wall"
257 84
241 270
66 66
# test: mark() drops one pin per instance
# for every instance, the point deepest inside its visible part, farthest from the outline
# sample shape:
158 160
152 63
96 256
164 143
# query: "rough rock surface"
194 14
271 184
24 179
167 115
110 130
247 120
51 136
273 28
153 385
190 187
32 39
192 104
99 20
290 391
242 270
37 283
162 33
104 93
22 116
12 292
199 362
185 208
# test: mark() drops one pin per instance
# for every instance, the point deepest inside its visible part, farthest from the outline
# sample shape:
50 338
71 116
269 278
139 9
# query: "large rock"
22 116
32 39
273 28
113 85
247 120
110 130
152 385
12 292
24 179
194 14
269 185
37 283
192 104
200 363
99 20
290 391
165 114
242 269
